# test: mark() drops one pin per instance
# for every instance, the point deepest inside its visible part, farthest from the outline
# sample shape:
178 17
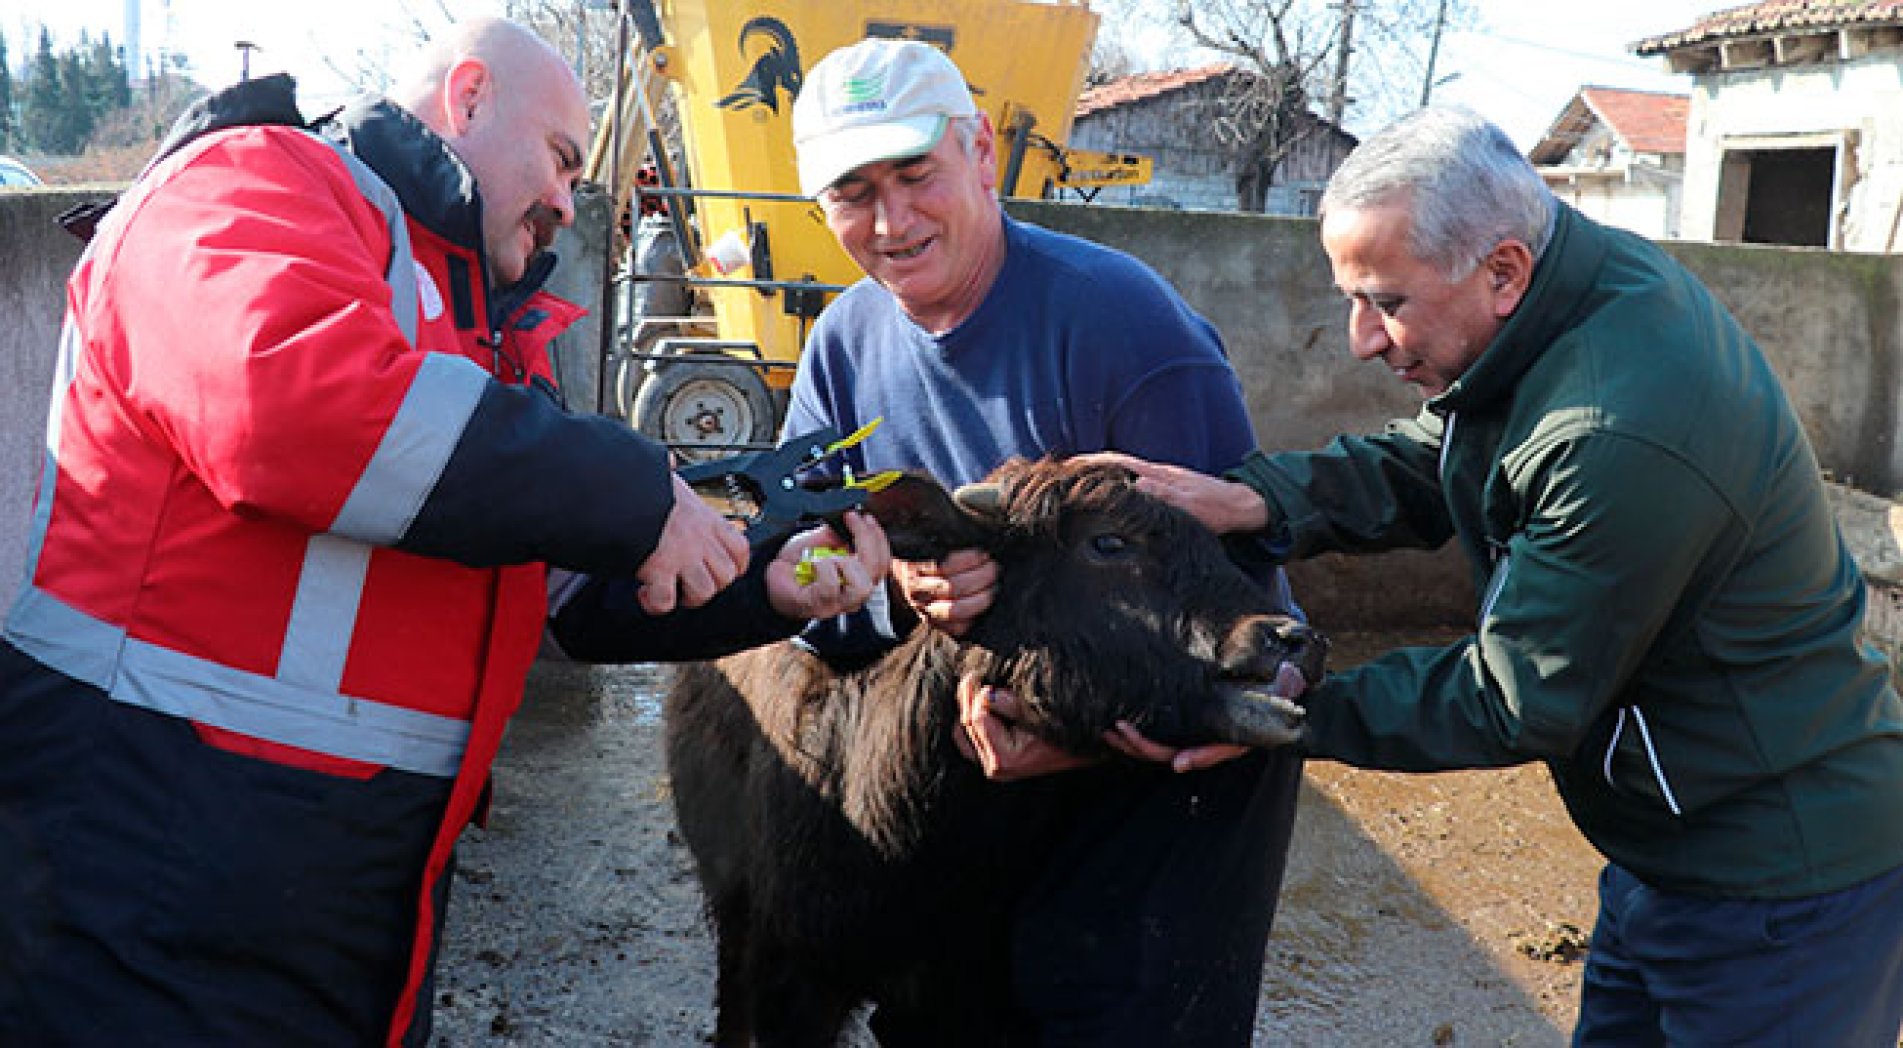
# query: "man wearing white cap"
978 338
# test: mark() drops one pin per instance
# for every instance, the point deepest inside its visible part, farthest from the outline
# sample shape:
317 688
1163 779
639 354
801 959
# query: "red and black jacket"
303 477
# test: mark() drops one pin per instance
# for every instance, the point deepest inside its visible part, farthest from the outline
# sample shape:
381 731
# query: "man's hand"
949 594
838 584
699 554
988 718
1127 740
1130 742
1222 505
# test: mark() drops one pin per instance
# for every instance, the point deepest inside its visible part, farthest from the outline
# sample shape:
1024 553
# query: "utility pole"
581 40
135 63
245 47
1433 52
1344 45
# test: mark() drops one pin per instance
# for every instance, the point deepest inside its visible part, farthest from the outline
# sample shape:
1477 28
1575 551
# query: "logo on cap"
862 94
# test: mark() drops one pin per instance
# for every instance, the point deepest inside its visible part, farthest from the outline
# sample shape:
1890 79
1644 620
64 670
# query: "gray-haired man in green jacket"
1669 615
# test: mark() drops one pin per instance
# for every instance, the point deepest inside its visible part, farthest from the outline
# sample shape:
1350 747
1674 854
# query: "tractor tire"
631 372
703 409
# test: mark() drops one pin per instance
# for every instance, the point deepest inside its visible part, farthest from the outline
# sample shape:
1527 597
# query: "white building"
1619 157
1796 127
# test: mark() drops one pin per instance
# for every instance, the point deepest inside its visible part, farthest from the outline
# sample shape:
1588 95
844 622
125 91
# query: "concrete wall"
1828 321
35 256
1874 529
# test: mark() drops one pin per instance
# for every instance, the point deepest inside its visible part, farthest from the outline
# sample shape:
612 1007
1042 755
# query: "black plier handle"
763 488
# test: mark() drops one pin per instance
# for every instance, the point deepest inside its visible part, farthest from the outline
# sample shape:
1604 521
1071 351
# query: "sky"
1518 66
311 39
1529 57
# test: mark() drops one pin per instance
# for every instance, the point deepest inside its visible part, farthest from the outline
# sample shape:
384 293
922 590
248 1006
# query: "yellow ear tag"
875 483
855 437
803 572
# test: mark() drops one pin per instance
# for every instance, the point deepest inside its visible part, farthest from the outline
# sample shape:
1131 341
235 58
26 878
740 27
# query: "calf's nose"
1259 644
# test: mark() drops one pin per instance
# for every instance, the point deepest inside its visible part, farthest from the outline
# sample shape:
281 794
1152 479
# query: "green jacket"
1669 615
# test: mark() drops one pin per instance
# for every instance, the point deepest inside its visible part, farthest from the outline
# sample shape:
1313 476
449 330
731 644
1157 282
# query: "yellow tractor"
729 264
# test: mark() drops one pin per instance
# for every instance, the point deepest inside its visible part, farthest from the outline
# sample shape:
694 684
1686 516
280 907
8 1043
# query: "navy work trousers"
1673 969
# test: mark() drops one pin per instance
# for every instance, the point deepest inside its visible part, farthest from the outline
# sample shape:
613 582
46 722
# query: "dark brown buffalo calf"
849 854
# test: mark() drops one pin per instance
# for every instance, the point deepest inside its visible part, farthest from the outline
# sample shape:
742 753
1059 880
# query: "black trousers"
1150 926
155 890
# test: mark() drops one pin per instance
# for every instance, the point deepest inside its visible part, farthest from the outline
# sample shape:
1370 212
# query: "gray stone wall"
35 256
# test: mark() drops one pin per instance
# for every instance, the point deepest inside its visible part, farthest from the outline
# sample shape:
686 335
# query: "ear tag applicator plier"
763 490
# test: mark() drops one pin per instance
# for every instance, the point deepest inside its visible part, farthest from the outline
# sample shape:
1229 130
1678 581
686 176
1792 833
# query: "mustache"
544 221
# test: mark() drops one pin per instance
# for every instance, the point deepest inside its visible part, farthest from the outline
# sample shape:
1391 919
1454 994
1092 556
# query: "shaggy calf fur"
849 854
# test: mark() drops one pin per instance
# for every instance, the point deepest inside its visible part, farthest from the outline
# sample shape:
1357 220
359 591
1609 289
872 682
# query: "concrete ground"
1417 910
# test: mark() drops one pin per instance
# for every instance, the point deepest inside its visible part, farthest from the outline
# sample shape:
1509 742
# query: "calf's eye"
1108 545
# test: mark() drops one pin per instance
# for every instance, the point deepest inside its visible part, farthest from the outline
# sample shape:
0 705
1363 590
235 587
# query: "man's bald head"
516 115
513 53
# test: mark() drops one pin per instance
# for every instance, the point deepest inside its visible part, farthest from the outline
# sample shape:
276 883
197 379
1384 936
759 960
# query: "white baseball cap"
876 100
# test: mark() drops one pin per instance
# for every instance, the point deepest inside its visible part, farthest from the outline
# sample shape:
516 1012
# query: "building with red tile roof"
1619 156
1176 118
1138 87
1780 32
1795 132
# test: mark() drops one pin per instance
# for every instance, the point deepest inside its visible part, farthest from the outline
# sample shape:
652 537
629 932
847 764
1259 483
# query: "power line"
1630 62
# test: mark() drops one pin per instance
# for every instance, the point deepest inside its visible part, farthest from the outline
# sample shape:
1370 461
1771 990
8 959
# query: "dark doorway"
1789 196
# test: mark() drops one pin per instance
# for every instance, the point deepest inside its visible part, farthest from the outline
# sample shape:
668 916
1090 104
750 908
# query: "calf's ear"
922 520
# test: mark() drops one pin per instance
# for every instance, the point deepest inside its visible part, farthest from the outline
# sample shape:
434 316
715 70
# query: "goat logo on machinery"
777 69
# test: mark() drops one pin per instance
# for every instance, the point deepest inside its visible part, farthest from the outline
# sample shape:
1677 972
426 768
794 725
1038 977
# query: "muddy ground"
1447 909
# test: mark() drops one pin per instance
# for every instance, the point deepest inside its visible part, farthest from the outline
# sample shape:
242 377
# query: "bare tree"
1360 58
1111 58
372 65
584 30
588 31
